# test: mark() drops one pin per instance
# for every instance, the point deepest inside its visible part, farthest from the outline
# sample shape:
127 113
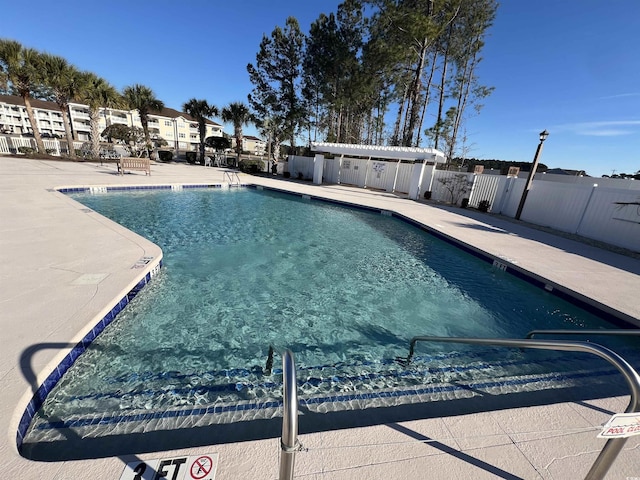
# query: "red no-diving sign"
201 467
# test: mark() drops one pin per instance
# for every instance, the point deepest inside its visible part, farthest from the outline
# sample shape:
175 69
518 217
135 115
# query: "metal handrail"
613 446
621 332
289 440
231 176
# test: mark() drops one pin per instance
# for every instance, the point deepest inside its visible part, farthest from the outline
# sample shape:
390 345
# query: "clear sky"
569 66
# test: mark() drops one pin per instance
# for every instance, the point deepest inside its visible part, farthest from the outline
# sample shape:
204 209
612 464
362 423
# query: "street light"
543 136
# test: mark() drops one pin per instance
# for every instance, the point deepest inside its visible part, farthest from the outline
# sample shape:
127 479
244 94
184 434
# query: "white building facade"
179 129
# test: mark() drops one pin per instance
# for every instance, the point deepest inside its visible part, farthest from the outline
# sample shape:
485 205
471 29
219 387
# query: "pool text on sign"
195 467
621 425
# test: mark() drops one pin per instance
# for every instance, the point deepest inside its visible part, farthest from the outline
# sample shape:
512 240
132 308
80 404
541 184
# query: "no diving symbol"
201 467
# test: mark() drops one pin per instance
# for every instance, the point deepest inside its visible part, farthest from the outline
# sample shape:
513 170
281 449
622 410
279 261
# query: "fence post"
586 207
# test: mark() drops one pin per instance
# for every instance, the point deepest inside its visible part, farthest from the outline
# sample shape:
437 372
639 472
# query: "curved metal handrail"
614 445
289 440
620 332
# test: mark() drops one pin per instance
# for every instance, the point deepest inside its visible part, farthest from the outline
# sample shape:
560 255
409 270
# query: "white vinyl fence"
608 212
11 145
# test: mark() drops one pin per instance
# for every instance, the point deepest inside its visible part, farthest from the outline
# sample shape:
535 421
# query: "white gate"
330 170
353 171
403 179
381 175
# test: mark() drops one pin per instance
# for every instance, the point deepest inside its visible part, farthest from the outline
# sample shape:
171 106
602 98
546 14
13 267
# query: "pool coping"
28 208
153 267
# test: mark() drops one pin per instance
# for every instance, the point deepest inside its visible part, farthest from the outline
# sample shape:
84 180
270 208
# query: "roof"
251 137
172 113
35 103
380 151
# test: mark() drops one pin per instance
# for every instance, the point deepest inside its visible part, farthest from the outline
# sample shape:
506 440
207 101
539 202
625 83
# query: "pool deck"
62 266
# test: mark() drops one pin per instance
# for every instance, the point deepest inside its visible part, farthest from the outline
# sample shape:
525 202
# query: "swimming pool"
344 289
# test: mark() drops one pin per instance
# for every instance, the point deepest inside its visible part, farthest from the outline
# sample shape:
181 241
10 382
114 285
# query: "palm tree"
64 81
96 92
21 67
200 110
238 114
141 98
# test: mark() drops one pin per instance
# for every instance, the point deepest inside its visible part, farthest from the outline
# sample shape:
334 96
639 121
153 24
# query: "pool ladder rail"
613 446
289 440
232 178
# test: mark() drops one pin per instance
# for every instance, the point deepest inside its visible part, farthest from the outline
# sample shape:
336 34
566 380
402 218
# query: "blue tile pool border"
54 377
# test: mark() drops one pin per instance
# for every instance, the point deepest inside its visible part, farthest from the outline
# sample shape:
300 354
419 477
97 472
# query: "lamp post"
543 136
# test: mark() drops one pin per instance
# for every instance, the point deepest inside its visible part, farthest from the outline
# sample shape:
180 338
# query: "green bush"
26 150
251 166
50 151
165 156
191 157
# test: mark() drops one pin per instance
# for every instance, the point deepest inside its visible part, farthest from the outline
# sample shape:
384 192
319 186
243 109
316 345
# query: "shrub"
26 150
483 205
191 157
50 151
251 165
165 156
286 174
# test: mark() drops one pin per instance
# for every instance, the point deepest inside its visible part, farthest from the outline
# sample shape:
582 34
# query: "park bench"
134 163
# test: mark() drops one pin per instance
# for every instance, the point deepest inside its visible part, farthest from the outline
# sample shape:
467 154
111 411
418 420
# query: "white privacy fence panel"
508 196
613 216
403 180
381 175
556 205
301 167
330 170
353 171
451 187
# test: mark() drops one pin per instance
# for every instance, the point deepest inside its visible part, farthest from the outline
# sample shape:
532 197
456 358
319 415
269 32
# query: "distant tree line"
339 82
468 165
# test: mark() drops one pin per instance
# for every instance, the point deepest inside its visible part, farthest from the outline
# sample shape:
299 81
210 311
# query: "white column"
318 167
416 180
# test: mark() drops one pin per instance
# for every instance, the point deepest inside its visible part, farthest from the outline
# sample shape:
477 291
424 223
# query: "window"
167 123
182 135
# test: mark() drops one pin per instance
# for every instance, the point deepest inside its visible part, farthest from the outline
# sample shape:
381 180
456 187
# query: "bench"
134 163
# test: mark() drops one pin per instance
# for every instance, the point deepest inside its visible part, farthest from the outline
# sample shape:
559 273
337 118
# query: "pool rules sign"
195 467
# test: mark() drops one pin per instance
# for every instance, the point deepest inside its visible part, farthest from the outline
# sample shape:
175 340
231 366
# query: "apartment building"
177 128
251 144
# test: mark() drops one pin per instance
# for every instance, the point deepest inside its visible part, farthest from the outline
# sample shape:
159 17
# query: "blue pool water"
344 289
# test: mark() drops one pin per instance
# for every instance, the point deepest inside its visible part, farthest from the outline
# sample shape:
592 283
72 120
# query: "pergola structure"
380 151
418 156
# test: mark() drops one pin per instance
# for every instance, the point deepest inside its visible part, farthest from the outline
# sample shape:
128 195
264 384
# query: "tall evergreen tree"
276 78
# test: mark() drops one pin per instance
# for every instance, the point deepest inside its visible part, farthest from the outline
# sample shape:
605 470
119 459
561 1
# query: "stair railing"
613 446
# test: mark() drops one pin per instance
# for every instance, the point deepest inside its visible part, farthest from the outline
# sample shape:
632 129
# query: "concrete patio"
63 266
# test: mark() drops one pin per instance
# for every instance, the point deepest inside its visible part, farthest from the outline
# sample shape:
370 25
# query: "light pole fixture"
543 136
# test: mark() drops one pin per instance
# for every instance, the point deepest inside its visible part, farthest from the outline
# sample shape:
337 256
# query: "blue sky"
569 66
